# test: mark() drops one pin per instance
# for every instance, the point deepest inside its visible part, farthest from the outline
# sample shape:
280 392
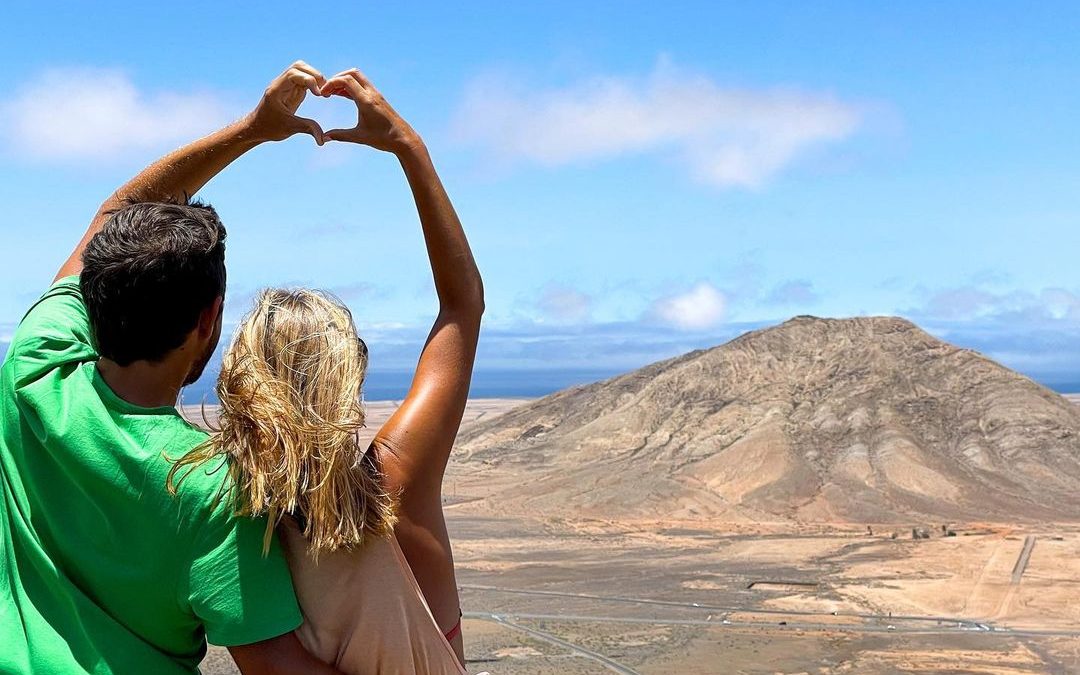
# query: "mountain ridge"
868 418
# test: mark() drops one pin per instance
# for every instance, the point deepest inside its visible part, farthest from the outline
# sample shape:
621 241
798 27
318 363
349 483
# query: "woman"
363 528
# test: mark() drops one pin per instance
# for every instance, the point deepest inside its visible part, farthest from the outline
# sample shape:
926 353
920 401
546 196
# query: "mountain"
818 420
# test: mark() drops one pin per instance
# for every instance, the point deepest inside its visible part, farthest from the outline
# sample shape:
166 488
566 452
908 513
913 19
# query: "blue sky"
637 179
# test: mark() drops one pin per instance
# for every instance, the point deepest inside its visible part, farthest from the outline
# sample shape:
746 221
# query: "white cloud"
965 302
87 113
1061 303
727 137
564 304
698 308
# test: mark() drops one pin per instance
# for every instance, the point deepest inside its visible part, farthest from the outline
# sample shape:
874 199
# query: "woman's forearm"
457 279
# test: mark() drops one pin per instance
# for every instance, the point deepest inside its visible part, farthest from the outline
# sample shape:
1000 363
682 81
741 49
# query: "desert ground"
582 595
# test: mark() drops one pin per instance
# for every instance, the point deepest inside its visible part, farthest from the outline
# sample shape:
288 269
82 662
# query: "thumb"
309 126
342 135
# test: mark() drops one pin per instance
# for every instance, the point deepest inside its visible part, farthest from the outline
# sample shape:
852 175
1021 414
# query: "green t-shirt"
101 569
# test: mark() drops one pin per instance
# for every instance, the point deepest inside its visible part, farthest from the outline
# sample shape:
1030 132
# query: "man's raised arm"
183 172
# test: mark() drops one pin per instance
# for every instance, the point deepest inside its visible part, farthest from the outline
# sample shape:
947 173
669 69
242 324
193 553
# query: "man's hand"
377 123
275 118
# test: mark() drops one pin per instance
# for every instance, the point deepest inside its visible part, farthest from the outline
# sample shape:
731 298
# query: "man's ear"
208 318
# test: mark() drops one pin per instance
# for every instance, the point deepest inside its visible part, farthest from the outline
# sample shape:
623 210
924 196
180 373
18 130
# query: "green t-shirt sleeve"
55 332
239 595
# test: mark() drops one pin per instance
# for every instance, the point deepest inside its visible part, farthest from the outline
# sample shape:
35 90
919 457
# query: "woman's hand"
377 123
275 119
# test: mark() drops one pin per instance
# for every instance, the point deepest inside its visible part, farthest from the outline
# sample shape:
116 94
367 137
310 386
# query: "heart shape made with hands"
334 112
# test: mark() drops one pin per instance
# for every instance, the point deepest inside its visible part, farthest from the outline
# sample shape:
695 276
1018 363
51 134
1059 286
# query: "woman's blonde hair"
289 420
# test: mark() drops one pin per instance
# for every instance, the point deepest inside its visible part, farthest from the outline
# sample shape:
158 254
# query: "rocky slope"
856 420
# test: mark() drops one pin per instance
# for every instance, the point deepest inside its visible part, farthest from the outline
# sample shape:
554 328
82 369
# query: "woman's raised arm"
414 445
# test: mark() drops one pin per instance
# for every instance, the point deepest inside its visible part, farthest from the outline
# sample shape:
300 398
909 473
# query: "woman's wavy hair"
291 410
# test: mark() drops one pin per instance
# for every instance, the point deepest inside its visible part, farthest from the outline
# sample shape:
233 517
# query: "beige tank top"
363 610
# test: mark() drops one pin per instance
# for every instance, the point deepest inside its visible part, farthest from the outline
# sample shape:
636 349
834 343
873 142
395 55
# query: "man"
101 570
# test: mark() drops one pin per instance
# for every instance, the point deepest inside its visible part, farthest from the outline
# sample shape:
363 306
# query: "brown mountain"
861 420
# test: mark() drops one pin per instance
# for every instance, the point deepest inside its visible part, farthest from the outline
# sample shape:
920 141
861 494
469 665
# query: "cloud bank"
564 304
724 136
79 114
977 302
1045 350
699 308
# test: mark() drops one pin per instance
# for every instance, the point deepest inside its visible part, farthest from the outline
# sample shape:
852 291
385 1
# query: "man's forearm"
175 176
184 172
457 279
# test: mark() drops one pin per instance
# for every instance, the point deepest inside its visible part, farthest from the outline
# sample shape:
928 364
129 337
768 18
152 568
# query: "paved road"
720 608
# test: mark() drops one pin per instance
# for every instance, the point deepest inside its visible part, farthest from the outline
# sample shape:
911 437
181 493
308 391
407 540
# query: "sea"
391 385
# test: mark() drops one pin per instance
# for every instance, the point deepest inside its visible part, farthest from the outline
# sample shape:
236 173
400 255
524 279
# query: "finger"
332 88
360 77
353 73
347 86
304 67
335 85
353 135
309 126
304 80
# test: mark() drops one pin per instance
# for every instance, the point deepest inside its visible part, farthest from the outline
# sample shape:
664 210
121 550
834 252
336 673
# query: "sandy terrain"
670 598
555 594
644 597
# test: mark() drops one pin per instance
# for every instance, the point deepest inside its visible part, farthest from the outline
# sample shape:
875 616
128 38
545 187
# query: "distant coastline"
502 384
486 384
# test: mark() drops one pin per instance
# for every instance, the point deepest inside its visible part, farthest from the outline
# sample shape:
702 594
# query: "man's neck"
145 384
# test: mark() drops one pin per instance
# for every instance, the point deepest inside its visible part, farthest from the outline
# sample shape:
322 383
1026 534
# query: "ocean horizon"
392 385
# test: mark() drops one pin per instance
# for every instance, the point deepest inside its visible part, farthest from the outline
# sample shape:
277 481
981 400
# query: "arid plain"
825 496
563 595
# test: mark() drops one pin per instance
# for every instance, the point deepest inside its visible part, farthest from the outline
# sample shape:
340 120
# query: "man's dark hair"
148 274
